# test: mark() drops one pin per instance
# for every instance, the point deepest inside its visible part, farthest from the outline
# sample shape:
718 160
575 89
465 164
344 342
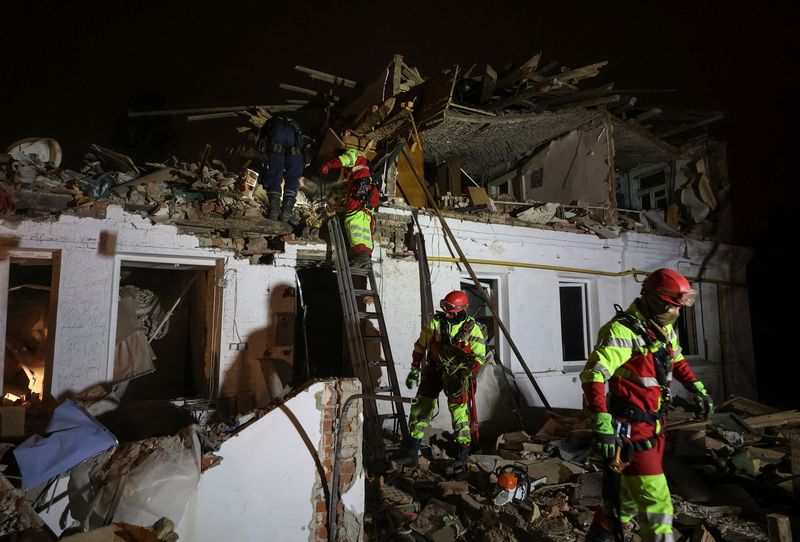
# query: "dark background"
71 70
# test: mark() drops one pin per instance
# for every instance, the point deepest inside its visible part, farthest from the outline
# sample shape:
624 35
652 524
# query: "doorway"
30 318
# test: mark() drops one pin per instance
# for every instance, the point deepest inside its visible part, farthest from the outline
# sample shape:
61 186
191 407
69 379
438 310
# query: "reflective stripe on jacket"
466 335
622 359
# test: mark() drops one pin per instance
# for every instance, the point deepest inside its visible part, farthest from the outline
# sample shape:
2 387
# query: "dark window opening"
574 325
479 310
687 331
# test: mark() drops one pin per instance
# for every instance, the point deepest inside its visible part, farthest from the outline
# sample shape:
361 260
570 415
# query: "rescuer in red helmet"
456 347
637 354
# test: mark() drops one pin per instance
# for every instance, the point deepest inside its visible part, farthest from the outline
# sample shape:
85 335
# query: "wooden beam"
779 528
551 83
771 420
454 177
794 442
488 84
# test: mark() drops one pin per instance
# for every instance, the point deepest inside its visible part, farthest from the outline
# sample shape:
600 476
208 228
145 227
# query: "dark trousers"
279 167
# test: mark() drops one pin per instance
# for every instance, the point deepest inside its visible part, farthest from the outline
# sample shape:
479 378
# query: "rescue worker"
361 203
456 347
637 353
282 156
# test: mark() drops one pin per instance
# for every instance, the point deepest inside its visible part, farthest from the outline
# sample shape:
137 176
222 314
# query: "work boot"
408 456
274 206
460 463
598 534
286 212
361 260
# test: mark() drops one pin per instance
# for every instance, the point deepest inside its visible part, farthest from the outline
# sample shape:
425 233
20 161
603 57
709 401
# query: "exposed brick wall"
330 401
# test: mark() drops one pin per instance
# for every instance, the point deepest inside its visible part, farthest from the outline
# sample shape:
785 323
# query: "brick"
322 533
347 467
321 506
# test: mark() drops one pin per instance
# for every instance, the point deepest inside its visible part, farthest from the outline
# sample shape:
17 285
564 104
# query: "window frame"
585 286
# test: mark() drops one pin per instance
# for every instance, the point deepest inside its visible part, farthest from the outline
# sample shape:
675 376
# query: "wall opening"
166 322
30 313
319 332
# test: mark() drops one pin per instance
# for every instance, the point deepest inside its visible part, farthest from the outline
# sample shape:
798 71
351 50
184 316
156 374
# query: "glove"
413 378
604 441
704 405
325 169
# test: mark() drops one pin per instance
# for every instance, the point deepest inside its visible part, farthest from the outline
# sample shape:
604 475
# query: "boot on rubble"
460 463
286 212
408 456
274 206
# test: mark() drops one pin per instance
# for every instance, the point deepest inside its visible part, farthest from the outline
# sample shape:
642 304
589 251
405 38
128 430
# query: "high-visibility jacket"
362 192
466 338
623 359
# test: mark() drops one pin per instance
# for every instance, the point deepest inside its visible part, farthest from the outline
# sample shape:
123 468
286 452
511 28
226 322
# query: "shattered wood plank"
747 406
407 181
488 83
771 420
478 196
794 442
454 177
521 73
779 528
554 82
40 201
262 226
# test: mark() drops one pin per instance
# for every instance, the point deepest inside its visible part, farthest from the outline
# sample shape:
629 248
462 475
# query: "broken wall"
275 473
248 367
530 302
575 167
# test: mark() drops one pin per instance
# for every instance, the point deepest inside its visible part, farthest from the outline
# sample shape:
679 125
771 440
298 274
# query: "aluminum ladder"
370 353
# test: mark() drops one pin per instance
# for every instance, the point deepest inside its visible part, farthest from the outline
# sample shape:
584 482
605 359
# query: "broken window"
28 341
574 299
650 188
167 317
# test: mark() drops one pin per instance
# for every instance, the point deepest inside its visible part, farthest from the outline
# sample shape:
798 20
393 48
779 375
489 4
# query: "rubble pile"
726 474
206 200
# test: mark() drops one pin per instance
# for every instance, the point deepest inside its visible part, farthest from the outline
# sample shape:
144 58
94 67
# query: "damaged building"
158 291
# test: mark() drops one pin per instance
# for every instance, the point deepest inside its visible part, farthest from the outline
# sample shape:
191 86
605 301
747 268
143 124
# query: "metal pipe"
337 445
633 271
169 313
477 283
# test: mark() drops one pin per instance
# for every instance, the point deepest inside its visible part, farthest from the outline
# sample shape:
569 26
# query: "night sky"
70 70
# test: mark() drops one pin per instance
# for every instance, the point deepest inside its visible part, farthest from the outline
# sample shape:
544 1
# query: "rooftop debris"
537 144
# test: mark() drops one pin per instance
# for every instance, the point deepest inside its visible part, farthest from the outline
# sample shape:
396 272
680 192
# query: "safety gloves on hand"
413 378
604 440
703 403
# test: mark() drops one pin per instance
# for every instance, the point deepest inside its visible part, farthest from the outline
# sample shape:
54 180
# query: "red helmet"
670 286
454 302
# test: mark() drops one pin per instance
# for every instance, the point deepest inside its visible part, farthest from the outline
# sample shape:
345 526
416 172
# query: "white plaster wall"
264 487
85 310
530 300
